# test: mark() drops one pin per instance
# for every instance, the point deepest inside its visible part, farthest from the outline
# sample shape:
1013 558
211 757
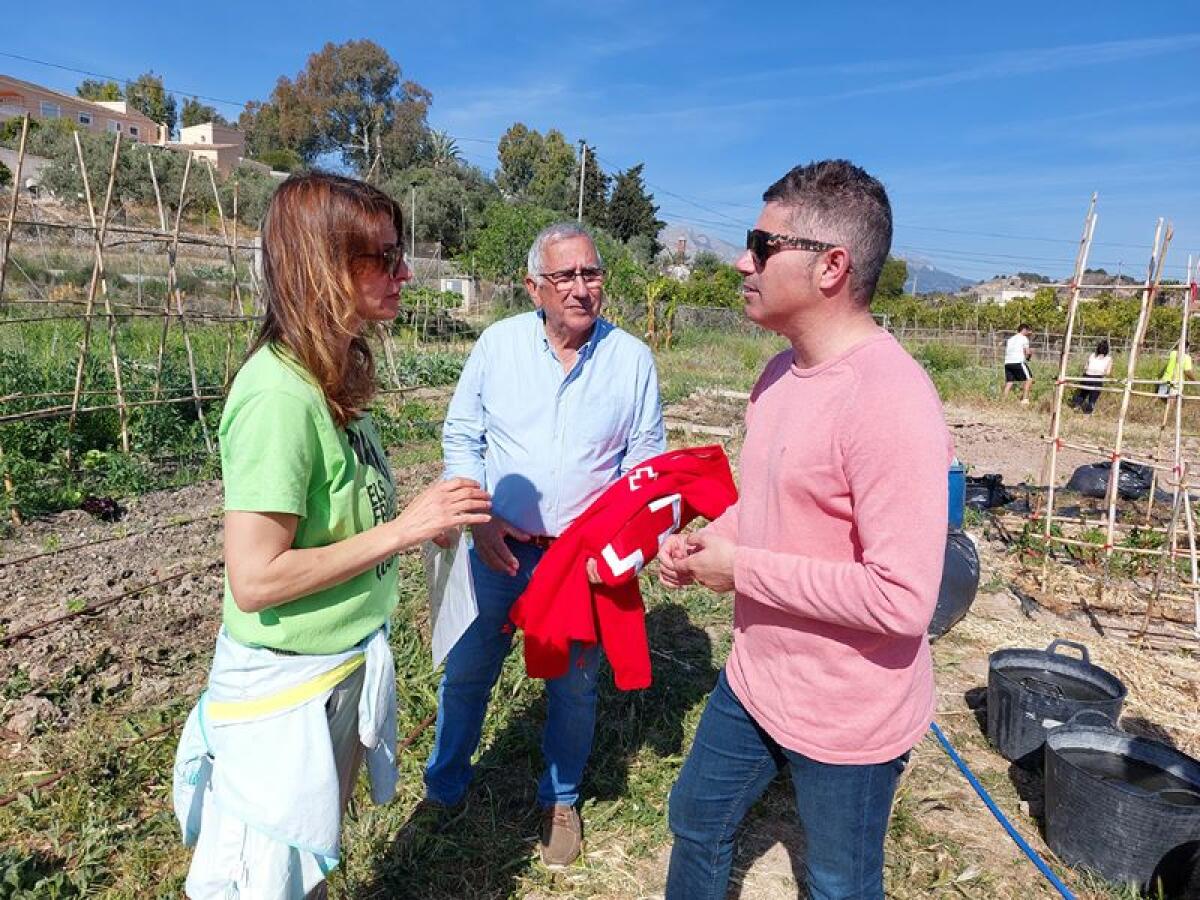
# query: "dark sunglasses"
763 244
390 260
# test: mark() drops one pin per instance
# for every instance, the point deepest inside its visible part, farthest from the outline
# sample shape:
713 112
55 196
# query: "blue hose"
995 810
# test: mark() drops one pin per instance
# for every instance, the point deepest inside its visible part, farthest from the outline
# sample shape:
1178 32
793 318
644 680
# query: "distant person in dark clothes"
1099 367
1016 363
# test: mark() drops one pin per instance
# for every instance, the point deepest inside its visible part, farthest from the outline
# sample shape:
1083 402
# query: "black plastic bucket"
1127 807
1032 691
960 581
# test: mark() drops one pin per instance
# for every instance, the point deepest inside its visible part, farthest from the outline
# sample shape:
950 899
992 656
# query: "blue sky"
990 124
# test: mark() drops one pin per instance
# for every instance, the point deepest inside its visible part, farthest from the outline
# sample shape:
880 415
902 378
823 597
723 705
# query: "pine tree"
631 211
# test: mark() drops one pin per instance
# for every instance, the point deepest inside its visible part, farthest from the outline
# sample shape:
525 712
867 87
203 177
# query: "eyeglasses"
392 260
763 244
593 277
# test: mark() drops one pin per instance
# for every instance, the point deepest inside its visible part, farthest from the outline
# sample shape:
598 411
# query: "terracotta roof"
100 108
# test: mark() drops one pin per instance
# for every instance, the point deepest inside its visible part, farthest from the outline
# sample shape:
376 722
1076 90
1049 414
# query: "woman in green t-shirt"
311 531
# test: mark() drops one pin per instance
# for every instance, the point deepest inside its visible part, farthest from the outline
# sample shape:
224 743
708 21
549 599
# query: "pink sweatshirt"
840 533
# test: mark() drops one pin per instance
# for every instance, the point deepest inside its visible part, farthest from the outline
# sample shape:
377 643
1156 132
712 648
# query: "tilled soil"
156 580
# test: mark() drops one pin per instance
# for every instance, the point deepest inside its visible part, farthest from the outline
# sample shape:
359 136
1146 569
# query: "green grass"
708 359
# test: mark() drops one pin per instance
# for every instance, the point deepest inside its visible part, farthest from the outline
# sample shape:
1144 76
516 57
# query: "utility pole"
582 173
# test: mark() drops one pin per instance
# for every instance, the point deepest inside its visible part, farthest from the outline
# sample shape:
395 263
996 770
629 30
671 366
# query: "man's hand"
671 556
710 561
489 544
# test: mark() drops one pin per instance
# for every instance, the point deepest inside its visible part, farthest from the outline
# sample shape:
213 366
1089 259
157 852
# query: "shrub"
939 358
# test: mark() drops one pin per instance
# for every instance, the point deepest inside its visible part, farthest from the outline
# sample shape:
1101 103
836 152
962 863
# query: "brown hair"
837 202
315 226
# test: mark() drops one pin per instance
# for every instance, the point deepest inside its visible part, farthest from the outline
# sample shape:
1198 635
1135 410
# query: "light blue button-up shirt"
545 442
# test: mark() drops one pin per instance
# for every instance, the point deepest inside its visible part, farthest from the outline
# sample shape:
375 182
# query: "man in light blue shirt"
552 406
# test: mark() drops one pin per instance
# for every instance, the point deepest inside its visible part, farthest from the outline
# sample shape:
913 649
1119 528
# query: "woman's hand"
442 506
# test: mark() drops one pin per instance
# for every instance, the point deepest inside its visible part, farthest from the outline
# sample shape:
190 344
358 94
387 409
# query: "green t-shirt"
282 452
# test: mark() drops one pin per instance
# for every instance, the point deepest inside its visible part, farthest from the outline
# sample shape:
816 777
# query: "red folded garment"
622 530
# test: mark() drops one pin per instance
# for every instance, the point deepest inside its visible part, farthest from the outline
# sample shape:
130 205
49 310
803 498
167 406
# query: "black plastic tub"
1127 807
960 581
1032 691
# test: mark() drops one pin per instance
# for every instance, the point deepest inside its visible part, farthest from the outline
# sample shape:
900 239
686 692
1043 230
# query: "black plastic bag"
1133 482
960 581
106 509
986 492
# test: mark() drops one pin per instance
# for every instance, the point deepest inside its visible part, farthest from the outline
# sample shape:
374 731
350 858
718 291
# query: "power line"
42 62
658 188
726 220
1017 237
1004 260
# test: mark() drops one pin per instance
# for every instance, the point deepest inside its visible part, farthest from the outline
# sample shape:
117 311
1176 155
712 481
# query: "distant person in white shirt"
1099 367
1016 363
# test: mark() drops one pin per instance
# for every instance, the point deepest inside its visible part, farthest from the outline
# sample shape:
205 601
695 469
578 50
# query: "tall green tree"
348 99
264 133
544 171
194 112
519 150
501 246
147 95
892 279
631 210
91 89
450 202
555 176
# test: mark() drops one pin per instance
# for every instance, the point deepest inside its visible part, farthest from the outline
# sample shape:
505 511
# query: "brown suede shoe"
562 836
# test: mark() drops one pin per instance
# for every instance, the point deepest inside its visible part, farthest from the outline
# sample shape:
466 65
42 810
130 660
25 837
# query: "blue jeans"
843 809
471 671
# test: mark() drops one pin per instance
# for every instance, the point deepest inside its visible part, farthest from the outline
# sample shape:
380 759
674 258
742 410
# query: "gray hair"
559 231
837 202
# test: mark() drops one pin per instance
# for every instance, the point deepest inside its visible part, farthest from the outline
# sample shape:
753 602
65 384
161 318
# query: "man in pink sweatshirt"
834 553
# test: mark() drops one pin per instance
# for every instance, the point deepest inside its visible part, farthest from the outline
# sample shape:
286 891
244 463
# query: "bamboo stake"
389 350
172 276
212 180
1173 401
1101 523
12 205
1104 451
162 214
113 349
241 311
1162 565
1195 565
97 282
1153 277
187 339
1050 474
14 512
1136 551
53 412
